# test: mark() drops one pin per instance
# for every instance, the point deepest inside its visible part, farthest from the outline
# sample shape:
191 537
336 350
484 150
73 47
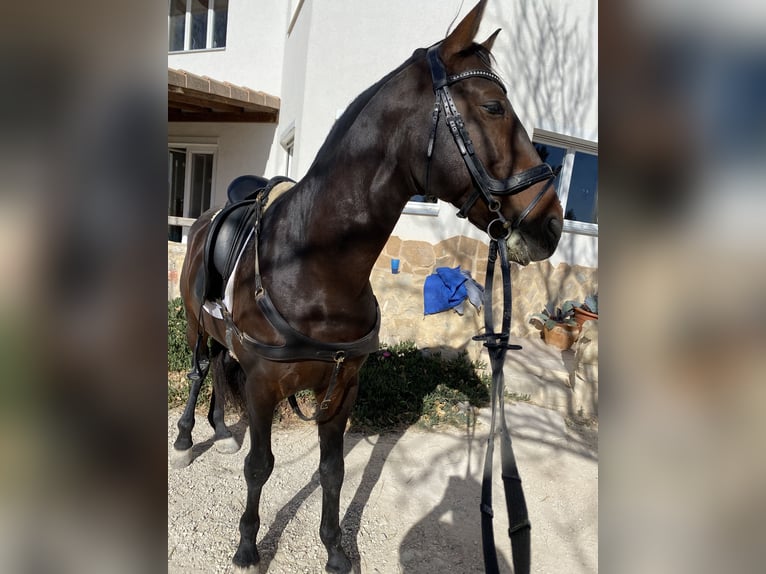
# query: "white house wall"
255 39
547 54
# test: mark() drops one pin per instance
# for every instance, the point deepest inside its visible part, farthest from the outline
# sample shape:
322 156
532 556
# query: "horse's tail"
235 379
232 388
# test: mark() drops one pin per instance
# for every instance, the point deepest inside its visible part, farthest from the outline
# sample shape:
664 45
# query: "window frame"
570 144
287 142
185 221
422 208
209 33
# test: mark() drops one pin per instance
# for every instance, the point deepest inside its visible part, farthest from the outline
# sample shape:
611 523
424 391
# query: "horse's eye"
495 108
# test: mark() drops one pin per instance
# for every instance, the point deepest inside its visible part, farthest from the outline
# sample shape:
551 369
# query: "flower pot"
561 335
581 315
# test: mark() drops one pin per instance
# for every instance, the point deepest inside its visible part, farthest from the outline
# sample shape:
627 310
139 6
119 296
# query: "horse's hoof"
338 564
246 559
227 445
181 458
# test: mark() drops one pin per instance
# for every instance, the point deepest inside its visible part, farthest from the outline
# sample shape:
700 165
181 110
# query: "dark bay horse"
305 277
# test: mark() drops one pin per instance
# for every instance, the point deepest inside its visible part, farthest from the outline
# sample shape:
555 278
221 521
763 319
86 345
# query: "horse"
302 313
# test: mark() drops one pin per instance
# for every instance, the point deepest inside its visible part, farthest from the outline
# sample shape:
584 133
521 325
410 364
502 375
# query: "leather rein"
486 188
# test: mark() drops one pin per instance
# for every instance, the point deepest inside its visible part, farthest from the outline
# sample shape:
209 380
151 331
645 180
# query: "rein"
497 345
486 188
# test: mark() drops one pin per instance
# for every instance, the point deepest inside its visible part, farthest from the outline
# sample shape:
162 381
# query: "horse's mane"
347 119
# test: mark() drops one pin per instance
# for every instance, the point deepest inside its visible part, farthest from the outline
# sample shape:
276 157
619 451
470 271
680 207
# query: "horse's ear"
462 36
489 42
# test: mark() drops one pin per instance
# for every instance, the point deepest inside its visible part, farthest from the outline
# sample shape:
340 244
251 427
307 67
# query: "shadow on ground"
400 388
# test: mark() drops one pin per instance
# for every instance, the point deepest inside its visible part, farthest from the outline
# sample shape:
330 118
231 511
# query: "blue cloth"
444 290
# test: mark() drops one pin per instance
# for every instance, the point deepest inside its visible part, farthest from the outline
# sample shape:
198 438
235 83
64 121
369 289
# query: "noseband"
485 186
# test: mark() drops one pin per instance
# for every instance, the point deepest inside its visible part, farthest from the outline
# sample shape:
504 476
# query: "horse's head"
485 163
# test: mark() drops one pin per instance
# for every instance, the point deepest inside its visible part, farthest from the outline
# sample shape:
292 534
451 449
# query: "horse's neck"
353 213
332 227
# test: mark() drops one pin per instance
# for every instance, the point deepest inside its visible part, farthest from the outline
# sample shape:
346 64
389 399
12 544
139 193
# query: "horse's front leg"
331 472
258 466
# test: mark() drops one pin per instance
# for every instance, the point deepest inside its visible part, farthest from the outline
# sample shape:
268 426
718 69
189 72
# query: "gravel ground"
409 504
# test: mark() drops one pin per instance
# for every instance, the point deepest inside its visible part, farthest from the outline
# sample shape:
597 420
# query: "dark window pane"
221 9
176 175
175 233
582 201
201 184
199 24
423 198
177 25
553 156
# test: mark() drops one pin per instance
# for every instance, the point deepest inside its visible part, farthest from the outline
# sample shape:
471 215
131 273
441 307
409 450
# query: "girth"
297 346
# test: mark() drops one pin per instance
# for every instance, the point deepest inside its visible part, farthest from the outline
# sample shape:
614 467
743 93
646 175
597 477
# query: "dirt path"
410 501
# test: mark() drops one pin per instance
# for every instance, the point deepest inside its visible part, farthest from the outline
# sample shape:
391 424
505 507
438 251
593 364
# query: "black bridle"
485 186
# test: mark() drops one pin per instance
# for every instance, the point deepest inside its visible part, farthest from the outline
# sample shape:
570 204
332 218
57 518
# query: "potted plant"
587 311
559 329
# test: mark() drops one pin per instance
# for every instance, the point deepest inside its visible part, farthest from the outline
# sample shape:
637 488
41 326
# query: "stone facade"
176 254
401 295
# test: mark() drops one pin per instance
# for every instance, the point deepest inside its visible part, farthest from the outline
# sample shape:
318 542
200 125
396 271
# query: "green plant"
179 354
556 315
591 303
402 385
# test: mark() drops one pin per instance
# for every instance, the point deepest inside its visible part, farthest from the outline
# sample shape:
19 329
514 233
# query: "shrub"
403 385
179 354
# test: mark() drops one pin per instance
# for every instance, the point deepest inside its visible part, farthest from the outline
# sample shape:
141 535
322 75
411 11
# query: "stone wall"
401 295
176 254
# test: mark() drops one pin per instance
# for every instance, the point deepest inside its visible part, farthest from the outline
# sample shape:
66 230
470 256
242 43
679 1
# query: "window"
577 184
197 24
190 185
422 205
287 141
289 148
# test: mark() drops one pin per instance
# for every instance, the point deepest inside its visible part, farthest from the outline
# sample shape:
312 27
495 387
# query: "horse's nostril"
554 227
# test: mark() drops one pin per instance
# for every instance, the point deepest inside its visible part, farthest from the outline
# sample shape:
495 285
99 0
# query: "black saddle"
229 230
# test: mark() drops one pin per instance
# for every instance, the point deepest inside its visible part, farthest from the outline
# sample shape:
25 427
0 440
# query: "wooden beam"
188 107
204 103
196 96
252 117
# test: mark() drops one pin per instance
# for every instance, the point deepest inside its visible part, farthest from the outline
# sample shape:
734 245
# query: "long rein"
486 188
497 345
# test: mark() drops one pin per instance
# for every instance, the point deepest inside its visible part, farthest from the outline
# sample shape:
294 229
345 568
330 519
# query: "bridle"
488 189
485 186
